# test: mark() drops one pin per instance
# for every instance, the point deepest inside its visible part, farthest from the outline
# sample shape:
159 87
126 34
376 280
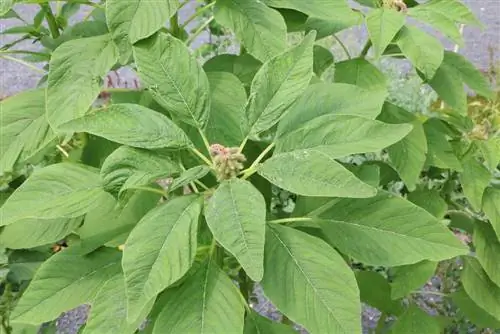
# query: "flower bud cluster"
228 161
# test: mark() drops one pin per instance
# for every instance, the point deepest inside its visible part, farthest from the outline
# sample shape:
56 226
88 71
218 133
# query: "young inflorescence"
228 161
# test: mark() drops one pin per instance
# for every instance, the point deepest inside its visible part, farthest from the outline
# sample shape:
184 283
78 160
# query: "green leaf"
480 288
128 167
430 200
75 77
188 176
407 278
439 151
24 131
416 321
461 220
63 190
5 6
342 135
439 21
207 302
243 66
277 84
160 250
453 9
257 324
227 109
324 287
132 20
491 198
331 98
236 215
424 51
388 230
375 291
133 125
473 312
409 154
383 24
29 233
331 26
120 218
63 282
174 77
487 247
490 150
312 172
260 29
108 314
325 9
322 59
474 179
362 73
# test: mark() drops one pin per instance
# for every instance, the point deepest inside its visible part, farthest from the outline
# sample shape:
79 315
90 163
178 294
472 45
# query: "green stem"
152 190
201 156
381 323
344 47
174 25
25 52
365 49
193 186
290 220
243 143
253 168
197 13
199 30
51 20
119 90
34 68
205 140
201 184
9 45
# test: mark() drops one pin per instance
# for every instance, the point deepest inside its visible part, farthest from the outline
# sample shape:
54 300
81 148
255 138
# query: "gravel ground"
479 48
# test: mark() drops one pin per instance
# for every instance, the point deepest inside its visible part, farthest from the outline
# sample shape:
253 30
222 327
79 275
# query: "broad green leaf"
295 20
188 176
409 154
75 77
325 9
312 172
342 135
461 220
243 66
128 167
323 285
207 302
32 232
487 247
480 288
330 26
174 77
260 29
63 282
439 21
257 324
439 151
491 198
383 24
424 51
119 219
133 125
236 215
160 250
24 131
407 278
132 20
453 9
227 109
108 314
416 321
449 86
5 6
473 312
277 84
474 179
62 190
22 329
388 230
362 73
24 263
322 59
430 200
331 98
375 291
490 150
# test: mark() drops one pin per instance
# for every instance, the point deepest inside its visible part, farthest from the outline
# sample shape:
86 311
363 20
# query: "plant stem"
205 141
51 20
435 293
118 90
343 46
34 68
243 143
201 156
253 167
152 190
243 283
25 52
381 323
365 49
198 182
290 220
193 186
199 11
199 31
